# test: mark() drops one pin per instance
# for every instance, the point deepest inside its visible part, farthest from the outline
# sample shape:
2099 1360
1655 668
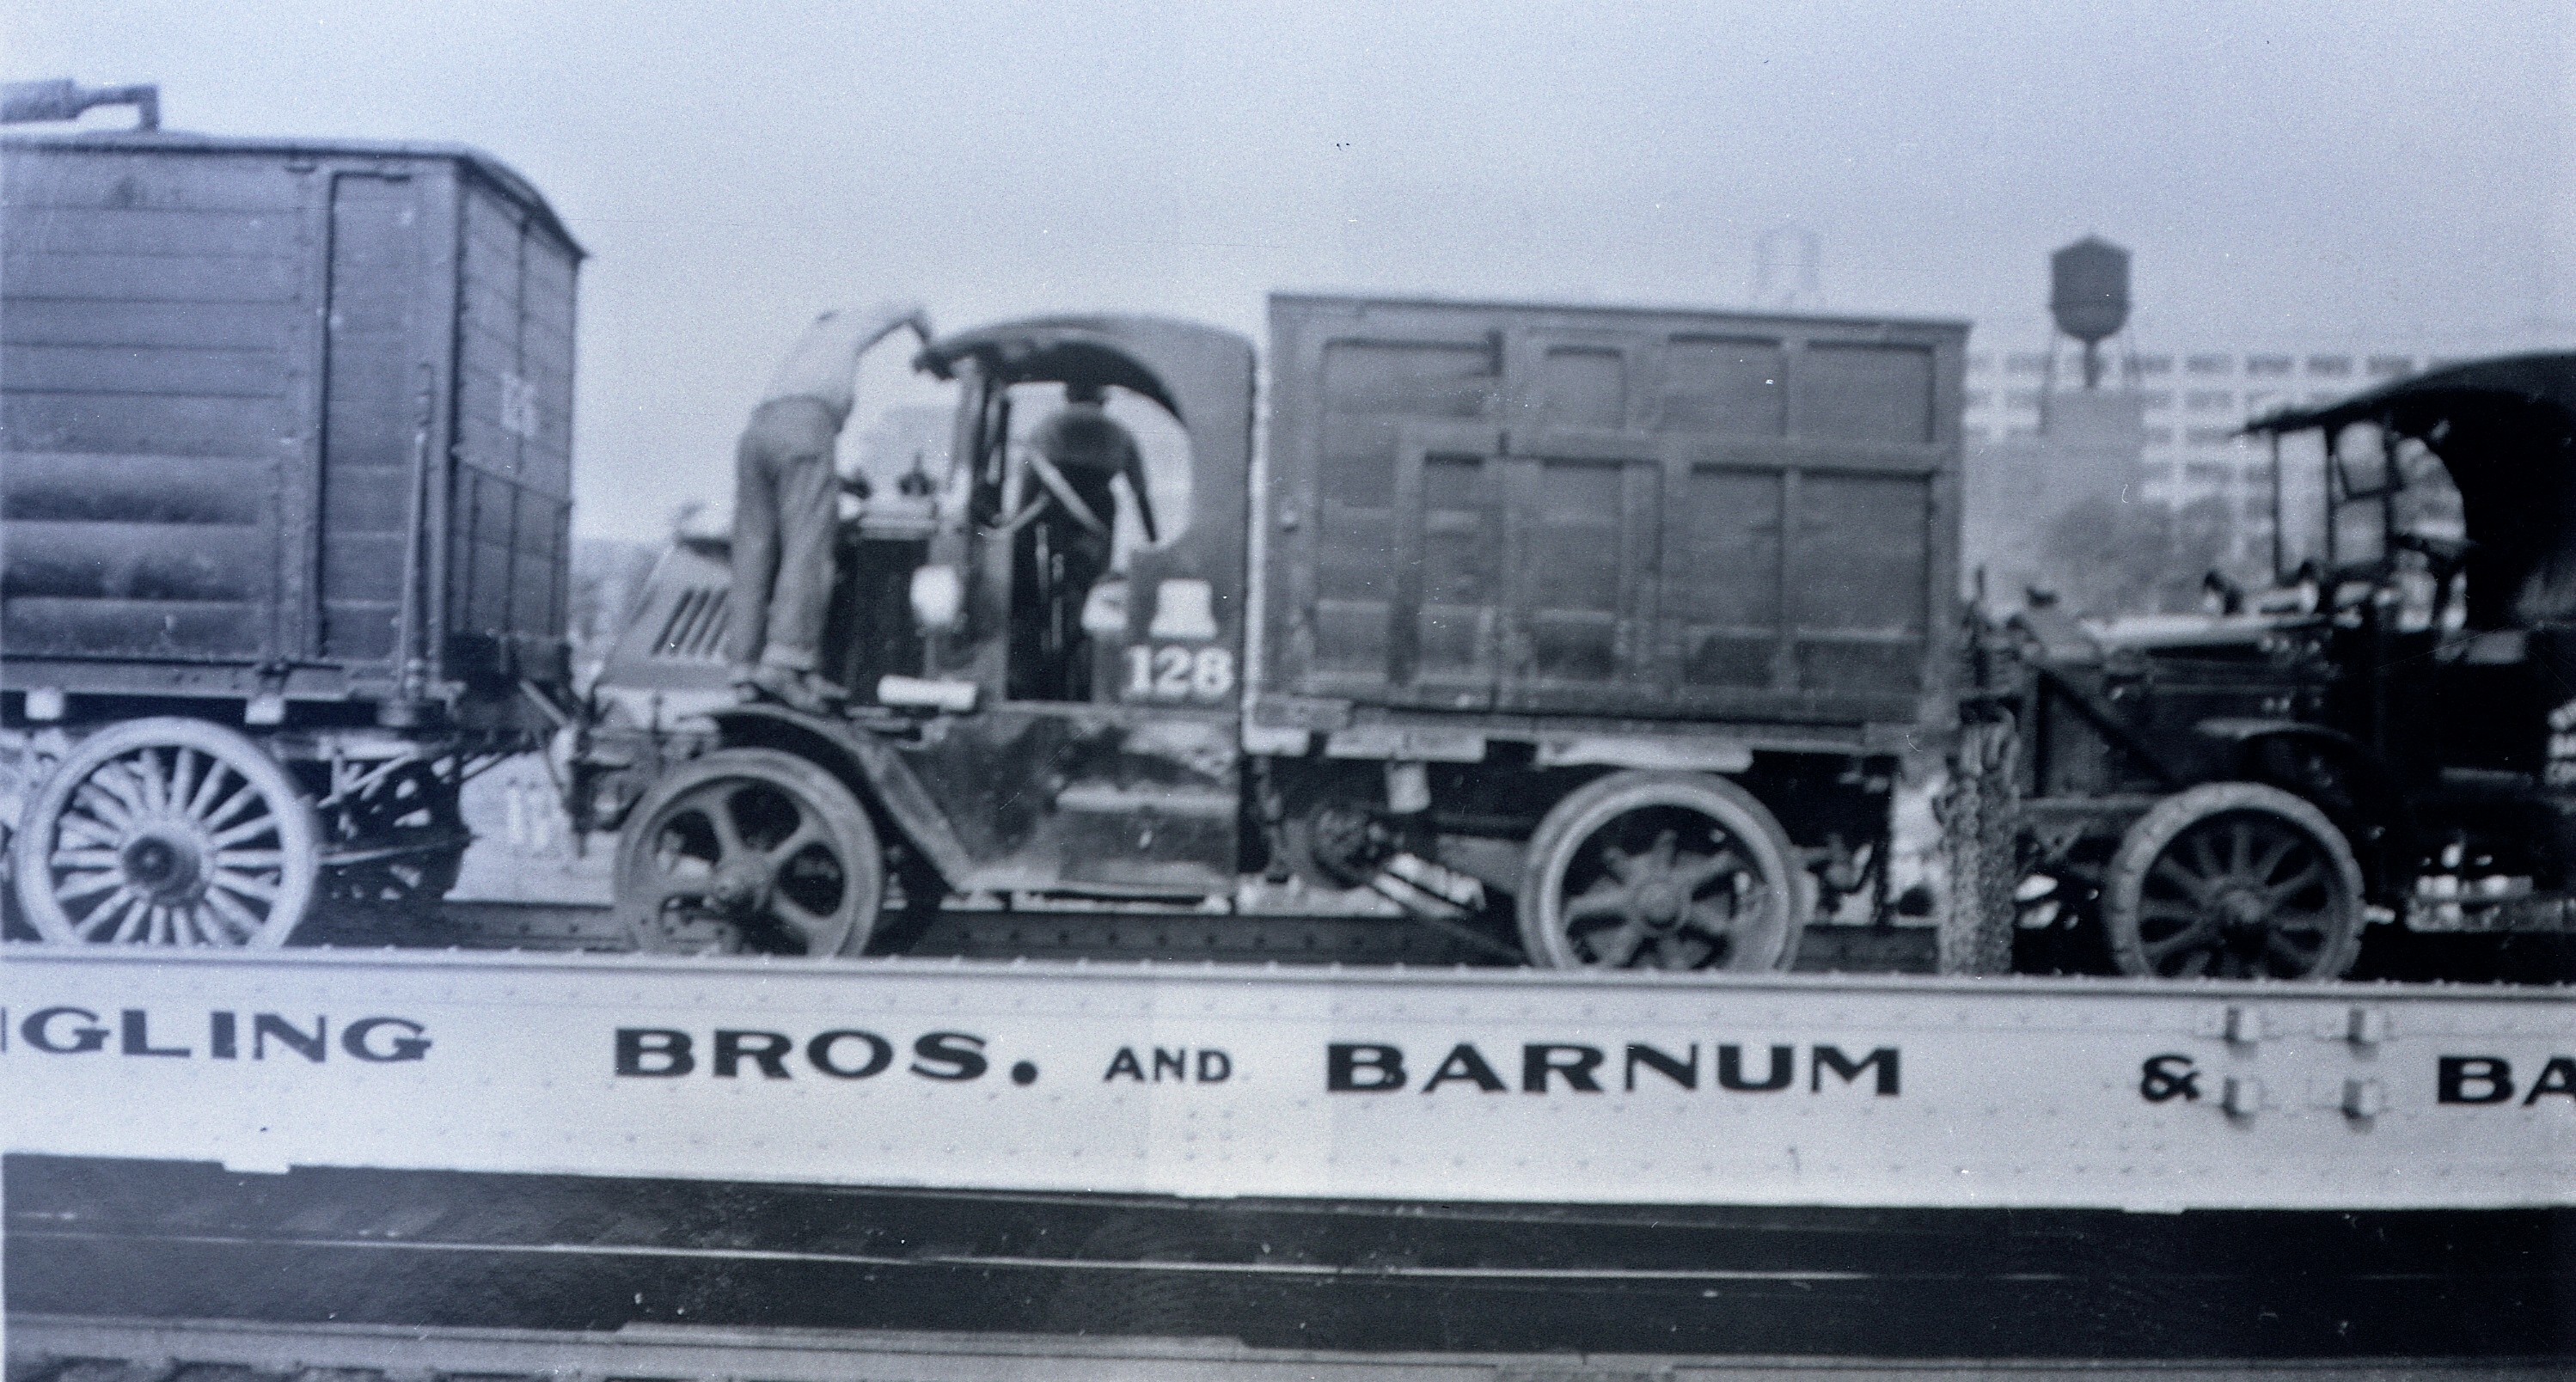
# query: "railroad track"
56 1348
583 1258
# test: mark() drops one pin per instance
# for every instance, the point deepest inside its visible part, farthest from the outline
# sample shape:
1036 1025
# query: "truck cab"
1009 734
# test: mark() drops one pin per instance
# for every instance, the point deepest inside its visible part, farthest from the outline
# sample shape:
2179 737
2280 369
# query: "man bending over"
786 505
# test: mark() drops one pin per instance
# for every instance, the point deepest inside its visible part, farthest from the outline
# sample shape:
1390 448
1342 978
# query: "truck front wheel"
2233 880
750 850
1662 870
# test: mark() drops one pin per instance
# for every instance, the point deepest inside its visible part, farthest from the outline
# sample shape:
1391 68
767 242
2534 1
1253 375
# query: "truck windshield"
2372 512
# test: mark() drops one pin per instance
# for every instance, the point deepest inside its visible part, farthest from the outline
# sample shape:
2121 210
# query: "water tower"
1785 262
2089 296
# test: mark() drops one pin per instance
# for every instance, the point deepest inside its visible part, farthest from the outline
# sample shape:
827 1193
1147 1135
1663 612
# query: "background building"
2203 486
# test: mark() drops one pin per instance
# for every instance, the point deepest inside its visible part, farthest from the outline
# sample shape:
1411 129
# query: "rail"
75 1349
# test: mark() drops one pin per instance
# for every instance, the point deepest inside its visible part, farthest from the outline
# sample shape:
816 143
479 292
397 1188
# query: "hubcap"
1663 887
741 887
2241 907
164 866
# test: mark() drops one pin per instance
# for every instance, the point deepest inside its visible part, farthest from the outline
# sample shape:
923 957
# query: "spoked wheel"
400 840
2234 880
750 850
1677 871
166 832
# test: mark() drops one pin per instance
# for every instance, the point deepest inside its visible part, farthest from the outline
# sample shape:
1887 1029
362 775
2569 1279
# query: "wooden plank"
1861 552
109 370
546 301
1851 391
125 230
47 421
1457 606
491 299
148 278
56 486
487 342
1724 629
368 499
85 559
1723 385
374 352
359 564
155 325
48 626
148 179
361 631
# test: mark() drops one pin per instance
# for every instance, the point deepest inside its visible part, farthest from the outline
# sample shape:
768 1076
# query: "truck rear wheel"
750 850
2233 880
1662 870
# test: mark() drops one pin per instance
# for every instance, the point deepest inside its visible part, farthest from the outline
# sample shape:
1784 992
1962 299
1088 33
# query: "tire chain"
1979 813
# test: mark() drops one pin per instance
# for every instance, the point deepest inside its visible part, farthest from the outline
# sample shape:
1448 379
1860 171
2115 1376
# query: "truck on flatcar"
1631 616
2385 735
284 519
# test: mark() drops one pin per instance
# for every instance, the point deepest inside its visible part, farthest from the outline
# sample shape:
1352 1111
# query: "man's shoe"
795 690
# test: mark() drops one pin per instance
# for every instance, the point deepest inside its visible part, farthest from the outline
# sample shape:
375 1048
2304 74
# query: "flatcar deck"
1207 1080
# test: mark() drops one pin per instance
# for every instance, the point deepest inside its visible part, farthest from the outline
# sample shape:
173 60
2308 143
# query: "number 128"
1179 674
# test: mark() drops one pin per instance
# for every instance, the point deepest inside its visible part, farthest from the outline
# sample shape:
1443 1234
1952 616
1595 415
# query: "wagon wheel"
1679 871
2234 880
403 837
750 850
166 832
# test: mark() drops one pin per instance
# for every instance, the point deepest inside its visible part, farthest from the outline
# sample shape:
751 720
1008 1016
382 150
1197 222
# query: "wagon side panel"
510 501
156 372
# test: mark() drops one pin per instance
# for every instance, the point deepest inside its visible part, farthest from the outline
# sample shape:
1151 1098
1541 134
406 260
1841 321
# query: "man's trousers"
785 506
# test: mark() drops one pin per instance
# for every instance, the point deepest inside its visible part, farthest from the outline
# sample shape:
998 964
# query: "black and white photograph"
1352 691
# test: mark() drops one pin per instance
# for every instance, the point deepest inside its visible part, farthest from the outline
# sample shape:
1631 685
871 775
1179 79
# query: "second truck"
1633 617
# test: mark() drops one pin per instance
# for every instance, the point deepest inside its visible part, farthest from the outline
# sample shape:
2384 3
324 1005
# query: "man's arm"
886 318
882 320
1134 468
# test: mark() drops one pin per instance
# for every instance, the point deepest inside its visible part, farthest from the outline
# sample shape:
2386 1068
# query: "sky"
2381 171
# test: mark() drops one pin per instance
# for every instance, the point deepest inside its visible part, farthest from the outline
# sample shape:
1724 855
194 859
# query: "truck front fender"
870 767
2326 766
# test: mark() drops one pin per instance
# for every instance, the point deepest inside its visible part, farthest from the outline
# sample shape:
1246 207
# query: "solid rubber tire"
2147 839
854 834
1597 803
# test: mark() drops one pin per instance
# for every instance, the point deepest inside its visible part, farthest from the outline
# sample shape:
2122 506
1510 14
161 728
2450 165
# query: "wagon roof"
490 169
